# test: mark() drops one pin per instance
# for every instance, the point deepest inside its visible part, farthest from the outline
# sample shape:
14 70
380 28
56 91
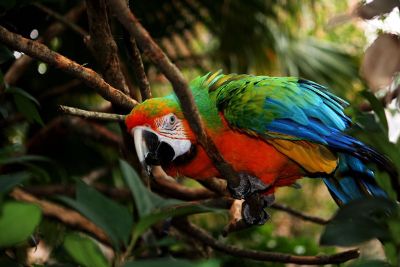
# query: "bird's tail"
352 180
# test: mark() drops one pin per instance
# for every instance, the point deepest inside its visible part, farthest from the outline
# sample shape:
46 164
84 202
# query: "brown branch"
63 19
137 63
66 216
181 88
91 114
103 45
299 214
201 235
20 65
90 77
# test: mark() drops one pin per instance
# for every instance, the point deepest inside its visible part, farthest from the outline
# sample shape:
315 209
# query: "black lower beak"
160 153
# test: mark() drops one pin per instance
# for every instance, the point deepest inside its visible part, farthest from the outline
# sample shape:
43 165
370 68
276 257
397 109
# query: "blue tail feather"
352 180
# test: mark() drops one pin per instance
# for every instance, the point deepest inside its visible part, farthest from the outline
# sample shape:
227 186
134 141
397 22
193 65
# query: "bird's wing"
300 118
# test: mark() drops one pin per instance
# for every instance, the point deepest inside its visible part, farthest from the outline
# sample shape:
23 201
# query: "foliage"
40 149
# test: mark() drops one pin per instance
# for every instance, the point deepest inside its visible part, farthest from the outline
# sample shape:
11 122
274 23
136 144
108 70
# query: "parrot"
272 130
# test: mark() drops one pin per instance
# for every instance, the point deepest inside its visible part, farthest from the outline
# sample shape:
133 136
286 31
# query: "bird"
272 130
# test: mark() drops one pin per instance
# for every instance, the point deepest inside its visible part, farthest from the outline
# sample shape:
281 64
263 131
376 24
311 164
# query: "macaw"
272 130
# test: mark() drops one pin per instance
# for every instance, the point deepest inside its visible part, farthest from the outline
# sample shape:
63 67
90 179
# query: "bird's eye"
172 119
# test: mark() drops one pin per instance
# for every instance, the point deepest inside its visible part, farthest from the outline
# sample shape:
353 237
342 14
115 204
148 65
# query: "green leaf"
84 251
140 194
171 262
167 212
5 53
145 200
7 262
17 222
359 221
22 159
28 109
18 91
370 263
112 217
377 108
8 181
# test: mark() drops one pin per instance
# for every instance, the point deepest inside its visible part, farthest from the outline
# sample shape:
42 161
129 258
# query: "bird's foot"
248 185
253 212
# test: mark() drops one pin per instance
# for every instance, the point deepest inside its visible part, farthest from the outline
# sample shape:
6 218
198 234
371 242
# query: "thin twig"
298 214
137 63
91 114
90 77
64 20
199 234
66 216
181 88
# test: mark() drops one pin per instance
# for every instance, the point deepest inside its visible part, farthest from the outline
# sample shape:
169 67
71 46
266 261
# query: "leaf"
22 159
376 8
381 61
141 195
17 222
1 78
378 108
8 181
16 90
145 200
5 53
359 221
171 262
167 212
112 217
28 109
370 263
84 251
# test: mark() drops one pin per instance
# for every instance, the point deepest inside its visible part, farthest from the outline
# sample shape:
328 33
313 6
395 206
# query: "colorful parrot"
272 130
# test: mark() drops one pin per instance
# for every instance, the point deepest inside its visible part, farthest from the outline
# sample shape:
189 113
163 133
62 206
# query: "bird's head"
160 131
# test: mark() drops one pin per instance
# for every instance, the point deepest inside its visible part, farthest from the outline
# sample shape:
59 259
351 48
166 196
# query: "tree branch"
90 77
137 63
66 216
181 88
103 45
20 65
298 214
91 114
199 234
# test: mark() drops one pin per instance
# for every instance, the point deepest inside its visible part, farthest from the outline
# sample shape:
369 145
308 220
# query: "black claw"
268 200
261 218
240 191
248 185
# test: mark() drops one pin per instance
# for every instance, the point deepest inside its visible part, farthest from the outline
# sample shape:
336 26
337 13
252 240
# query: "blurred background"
350 46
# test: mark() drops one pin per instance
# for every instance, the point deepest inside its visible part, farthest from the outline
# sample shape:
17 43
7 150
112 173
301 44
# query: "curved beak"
154 149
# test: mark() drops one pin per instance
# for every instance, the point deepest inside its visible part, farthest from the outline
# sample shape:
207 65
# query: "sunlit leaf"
359 221
8 181
84 251
112 217
17 221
